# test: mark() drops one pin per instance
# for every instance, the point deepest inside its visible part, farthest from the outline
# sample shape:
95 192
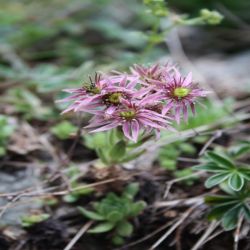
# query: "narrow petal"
192 108
126 130
105 128
177 114
167 107
185 113
187 80
123 81
147 122
135 130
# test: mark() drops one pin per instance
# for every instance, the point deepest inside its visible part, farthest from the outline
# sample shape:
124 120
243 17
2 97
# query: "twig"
178 233
77 138
216 135
146 237
178 223
59 193
185 159
170 183
180 202
214 235
237 232
9 204
206 234
78 235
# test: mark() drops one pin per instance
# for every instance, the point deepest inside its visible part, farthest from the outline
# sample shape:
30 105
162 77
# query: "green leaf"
216 179
221 160
137 208
131 157
210 167
246 210
118 151
102 155
215 199
239 150
63 130
97 140
70 198
91 215
245 173
114 136
30 220
102 228
2 151
230 218
218 211
236 181
114 216
124 228
131 190
117 240
168 164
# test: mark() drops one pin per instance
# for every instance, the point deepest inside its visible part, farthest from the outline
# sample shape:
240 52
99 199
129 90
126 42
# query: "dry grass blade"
145 238
180 202
206 234
176 225
237 233
170 183
78 235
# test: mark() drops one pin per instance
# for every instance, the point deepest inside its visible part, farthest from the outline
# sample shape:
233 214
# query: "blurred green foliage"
32 219
113 213
111 147
77 187
239 8
169 154
6 129
209 112
63 130
27 103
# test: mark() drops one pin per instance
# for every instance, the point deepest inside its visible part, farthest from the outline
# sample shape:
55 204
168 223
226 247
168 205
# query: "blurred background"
49 45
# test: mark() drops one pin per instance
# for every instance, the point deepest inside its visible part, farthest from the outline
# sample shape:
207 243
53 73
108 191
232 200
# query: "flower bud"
211 17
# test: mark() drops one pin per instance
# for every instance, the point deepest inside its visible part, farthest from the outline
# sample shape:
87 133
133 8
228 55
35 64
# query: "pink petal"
150 123
105 128
187 80
167 107
135 130
177 114
123 81
126 130
185 113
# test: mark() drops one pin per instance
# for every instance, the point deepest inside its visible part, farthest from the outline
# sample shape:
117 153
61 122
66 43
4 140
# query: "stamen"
128 115
181 92
115 98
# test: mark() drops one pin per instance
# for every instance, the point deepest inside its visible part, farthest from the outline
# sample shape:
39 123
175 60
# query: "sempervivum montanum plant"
132 107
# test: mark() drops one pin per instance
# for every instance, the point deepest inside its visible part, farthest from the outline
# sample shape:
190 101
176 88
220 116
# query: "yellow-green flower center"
181 92
114 98
128 115
93 90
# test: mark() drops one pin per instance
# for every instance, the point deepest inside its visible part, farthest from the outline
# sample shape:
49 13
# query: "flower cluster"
144 100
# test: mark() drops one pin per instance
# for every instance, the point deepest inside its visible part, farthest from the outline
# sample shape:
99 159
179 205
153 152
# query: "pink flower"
102 93
138 102
179 94
153 74
132 118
